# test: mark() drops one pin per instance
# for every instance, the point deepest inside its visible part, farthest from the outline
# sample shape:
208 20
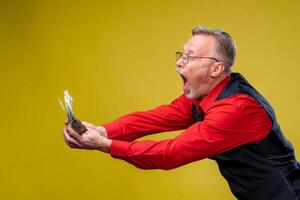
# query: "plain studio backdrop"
116 57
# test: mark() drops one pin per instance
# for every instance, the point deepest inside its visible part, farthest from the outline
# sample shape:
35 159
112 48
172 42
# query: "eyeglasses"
186 58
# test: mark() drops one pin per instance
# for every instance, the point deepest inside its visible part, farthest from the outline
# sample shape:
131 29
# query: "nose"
180 63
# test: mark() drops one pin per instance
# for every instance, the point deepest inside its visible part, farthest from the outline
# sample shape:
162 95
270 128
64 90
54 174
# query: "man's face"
196 74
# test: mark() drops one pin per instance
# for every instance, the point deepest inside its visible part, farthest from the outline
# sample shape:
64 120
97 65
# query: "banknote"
68 109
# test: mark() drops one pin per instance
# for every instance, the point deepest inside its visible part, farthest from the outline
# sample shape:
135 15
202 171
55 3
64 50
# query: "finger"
66 122
86 124
73 133
91 126
70 141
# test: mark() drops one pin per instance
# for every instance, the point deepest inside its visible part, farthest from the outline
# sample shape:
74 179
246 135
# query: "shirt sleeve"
228 124
175 116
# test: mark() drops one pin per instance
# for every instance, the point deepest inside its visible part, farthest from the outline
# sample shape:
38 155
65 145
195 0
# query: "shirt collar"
213 94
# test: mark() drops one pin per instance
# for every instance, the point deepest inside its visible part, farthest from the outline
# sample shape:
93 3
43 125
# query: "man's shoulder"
239 110
235 102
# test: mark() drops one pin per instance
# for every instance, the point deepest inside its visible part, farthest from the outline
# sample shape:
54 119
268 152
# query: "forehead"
199 44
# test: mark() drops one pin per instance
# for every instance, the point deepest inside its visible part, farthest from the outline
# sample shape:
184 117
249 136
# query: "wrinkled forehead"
200 44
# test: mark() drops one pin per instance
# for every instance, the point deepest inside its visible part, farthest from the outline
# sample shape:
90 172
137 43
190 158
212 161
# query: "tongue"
184 84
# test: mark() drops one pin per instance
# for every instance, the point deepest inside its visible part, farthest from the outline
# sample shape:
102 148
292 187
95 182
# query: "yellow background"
116 57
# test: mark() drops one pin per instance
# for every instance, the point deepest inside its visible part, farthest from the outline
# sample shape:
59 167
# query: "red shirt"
228 123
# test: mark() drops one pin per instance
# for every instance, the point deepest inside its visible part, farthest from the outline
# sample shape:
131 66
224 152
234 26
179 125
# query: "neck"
212 84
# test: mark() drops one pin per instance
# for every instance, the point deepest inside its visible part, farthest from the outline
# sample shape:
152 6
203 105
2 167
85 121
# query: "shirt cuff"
112 129
119 149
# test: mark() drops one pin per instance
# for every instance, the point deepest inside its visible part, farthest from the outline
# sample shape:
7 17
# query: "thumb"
87 124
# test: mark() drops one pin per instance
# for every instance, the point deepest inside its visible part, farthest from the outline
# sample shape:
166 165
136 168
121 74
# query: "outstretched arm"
225 127
175 116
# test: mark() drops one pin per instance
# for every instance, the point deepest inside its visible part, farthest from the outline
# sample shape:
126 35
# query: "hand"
91 139
100 129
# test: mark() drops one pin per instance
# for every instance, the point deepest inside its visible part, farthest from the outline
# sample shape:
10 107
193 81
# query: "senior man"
224 118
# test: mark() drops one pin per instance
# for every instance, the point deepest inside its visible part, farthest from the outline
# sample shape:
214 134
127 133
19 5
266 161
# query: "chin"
190 95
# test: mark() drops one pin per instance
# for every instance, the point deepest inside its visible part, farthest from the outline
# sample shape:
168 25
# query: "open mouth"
184 80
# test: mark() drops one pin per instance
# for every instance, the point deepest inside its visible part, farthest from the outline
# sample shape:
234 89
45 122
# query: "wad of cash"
67 107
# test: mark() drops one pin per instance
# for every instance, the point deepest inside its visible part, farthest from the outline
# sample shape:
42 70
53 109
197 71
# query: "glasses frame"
191 58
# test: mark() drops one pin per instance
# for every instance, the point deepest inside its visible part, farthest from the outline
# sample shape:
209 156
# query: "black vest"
266 170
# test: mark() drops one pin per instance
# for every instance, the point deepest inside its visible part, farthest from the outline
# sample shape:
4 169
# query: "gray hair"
226 47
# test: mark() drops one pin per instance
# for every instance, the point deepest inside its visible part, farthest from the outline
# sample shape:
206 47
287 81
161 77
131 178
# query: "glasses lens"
178 55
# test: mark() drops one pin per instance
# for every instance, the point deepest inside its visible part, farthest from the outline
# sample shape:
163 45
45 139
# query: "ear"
217 69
